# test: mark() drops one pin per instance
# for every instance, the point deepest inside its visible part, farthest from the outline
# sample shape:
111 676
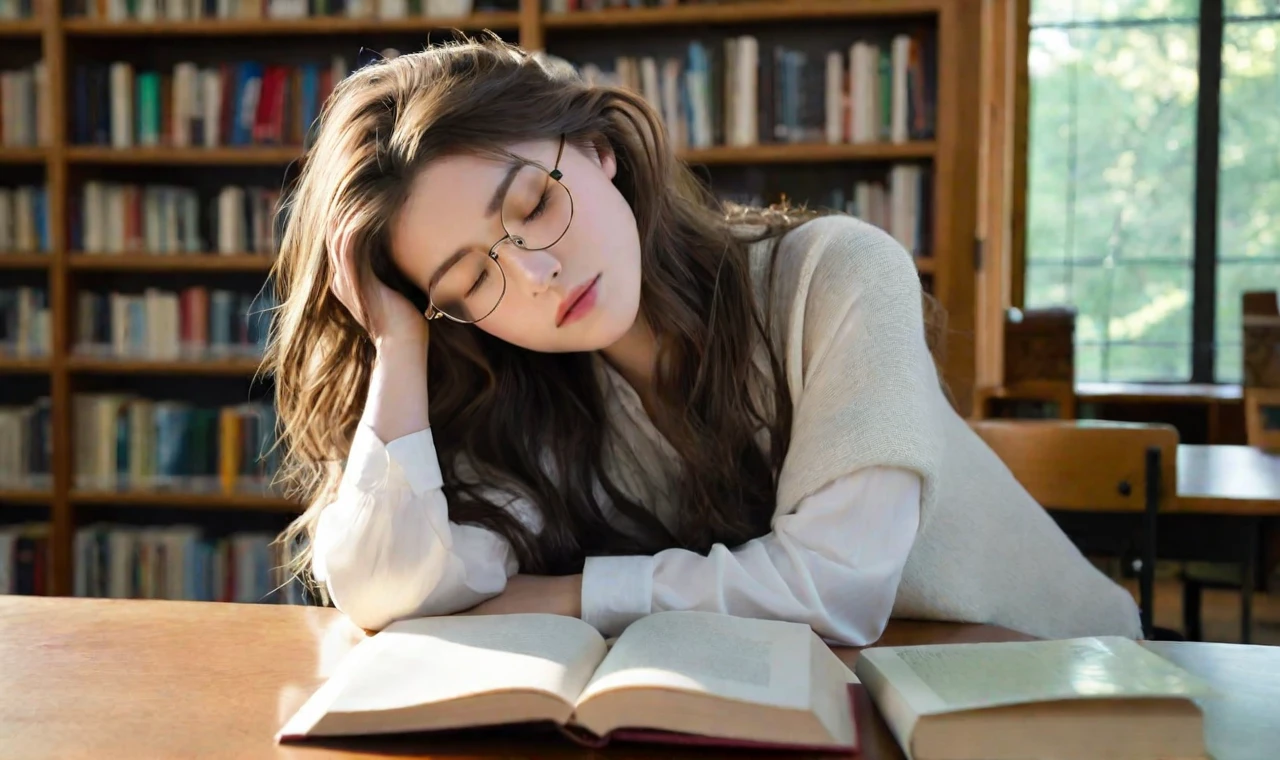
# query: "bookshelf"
64 166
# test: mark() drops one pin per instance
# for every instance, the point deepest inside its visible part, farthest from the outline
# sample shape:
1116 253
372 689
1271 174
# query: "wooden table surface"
1173 393
1213 397
1241 480
99 678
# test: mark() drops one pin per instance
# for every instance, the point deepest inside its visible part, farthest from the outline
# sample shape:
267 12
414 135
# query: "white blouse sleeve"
834 563
385 548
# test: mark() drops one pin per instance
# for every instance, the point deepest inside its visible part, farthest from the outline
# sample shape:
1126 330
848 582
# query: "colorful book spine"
127 443
180 562
236 104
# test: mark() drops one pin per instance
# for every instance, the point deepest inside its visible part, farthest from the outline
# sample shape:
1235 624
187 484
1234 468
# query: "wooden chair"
1260 335
1262 417
1039 363
1095 467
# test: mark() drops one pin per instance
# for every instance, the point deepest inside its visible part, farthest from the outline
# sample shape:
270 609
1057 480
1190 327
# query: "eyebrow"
495 204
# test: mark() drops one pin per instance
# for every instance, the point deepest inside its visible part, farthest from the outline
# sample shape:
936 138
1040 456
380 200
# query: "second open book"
675 676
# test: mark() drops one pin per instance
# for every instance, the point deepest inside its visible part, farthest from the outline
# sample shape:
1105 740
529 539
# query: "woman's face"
582 293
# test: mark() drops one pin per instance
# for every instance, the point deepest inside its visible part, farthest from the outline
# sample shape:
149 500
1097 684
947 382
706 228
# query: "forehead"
445 209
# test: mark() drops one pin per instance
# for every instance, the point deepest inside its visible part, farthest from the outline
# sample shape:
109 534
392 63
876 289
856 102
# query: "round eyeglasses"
536 212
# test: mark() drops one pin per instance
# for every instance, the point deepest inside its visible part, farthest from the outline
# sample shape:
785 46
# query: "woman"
562 380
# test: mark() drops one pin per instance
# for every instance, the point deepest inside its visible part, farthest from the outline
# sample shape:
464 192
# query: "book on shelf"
17 10
114 218
879 90
24 106
25 330
678 677
24 558
26 446
901 203
1074 699
192 10
193 324
180 562
24 219
127 443
237 104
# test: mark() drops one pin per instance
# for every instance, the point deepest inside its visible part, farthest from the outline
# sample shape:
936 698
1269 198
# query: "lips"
583 292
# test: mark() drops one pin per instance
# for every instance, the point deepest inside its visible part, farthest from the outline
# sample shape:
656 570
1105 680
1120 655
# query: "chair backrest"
1039 345
1262 417
1084 465
1260 338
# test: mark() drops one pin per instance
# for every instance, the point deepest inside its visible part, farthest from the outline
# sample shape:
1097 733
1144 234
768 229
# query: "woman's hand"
552 594
390 316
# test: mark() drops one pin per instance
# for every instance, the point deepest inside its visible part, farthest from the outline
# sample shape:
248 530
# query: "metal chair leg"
1147 575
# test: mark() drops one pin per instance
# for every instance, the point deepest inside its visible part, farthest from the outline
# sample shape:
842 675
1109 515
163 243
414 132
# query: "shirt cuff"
371 464
616 591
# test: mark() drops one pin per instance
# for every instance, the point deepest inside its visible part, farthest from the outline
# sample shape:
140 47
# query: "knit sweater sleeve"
864 387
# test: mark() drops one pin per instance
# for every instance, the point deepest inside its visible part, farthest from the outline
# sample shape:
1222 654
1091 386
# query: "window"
1119 223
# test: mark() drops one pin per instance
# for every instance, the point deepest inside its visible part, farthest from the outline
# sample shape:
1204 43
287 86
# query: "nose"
537 270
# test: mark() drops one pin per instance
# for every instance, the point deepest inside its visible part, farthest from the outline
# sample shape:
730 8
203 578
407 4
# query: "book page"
945 678
428 660
730 657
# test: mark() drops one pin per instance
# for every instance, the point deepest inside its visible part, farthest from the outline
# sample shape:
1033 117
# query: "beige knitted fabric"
866 392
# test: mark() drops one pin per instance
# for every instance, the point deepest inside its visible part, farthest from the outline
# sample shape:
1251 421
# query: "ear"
607 159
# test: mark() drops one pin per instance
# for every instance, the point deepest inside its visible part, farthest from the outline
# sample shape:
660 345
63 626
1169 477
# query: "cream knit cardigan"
866 392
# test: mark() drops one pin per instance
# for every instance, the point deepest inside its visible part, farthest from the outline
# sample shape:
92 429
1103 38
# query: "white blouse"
386 550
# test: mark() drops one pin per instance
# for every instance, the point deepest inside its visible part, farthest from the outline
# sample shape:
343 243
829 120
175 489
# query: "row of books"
236 104
901 206
181 562
571 6
876 91
185 10
123 442
14 10
166 219
193 323
26 445
25 329
24 558
24 219
24 106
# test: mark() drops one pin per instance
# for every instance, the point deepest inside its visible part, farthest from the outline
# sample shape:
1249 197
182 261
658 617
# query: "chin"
609 330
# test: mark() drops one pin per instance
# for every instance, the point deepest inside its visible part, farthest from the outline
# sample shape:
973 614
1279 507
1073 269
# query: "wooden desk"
90 678
1234 480
1179 393
1239 482
1211 396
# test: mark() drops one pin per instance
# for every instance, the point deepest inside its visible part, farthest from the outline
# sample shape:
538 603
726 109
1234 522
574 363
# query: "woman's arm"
847 303
834 564
385 547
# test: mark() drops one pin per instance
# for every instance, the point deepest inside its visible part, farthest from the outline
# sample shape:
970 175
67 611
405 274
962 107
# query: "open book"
684 677
1072 699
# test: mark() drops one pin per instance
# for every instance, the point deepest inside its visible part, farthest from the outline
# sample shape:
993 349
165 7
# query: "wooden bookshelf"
952 157
22 28
25 260
184 262
23 366
802 153
743 13
286 27
241 156
185 500
24 497
23 155
236 367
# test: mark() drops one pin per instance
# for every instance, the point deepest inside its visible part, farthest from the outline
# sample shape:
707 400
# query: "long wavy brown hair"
526 423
